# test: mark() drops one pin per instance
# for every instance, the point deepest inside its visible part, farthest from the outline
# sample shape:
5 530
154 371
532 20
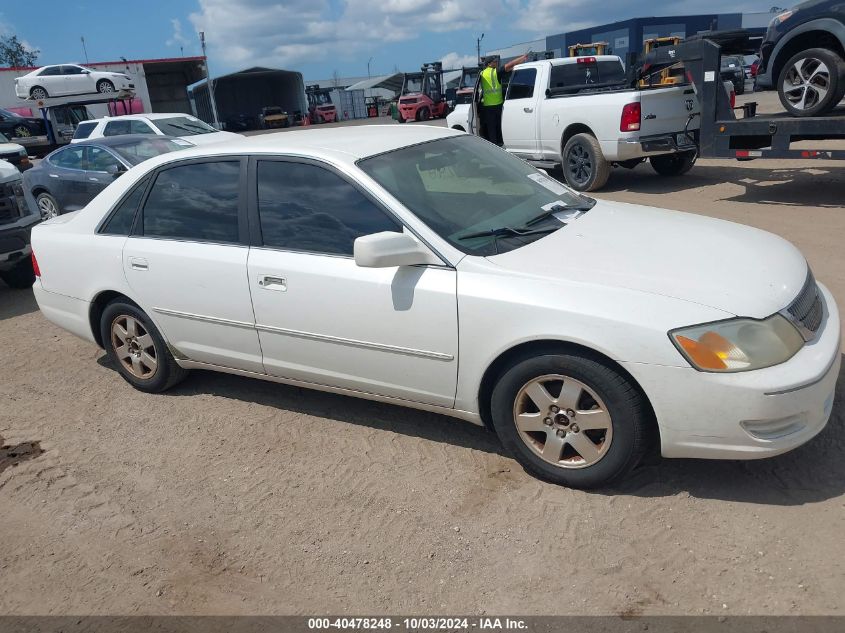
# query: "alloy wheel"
133 346
563 421
47 207
39 93
106 87
579 164
806 83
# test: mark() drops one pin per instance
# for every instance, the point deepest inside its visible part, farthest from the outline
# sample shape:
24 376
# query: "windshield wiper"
585 206
506 231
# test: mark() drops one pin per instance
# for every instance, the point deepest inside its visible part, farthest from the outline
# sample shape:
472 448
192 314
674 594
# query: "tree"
14 54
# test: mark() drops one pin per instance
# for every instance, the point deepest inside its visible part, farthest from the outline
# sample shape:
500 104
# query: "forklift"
320 106
668 76
422 96
466 86
589 50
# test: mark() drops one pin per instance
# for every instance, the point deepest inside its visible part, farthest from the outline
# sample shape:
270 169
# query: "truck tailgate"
668 109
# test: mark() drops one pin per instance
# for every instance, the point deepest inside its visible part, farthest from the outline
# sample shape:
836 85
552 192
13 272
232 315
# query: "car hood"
723 265
8 172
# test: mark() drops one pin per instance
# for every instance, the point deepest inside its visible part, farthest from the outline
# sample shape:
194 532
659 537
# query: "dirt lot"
235 496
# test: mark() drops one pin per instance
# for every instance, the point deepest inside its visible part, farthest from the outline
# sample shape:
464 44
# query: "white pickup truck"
577 113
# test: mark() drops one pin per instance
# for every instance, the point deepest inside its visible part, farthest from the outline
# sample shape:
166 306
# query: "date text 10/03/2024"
418 624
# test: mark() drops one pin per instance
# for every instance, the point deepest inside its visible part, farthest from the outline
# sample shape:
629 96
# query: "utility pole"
368 67
84 50
478 47
208 82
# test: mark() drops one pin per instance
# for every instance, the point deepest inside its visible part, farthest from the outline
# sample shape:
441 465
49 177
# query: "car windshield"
3 138
463 185
183 126
138 150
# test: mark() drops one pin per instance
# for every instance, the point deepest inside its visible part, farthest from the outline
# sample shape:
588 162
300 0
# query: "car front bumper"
747 415
14 241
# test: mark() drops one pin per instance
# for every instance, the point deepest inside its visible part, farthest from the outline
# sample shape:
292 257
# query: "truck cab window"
522 84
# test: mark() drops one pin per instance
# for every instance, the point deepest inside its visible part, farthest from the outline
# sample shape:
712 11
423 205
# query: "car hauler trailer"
721 133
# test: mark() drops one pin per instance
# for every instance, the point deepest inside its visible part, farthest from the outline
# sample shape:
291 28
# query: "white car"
69 79
175 124
431 269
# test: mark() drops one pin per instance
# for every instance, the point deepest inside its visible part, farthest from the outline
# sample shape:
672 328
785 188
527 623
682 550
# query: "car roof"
122 139
341 144
150 116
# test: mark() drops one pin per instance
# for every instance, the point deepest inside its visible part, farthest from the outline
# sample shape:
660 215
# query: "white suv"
175 124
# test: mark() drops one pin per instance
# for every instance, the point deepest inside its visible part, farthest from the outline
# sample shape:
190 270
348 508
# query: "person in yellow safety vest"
493 98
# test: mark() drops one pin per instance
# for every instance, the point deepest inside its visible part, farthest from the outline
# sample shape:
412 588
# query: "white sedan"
175 124
431 269
69 79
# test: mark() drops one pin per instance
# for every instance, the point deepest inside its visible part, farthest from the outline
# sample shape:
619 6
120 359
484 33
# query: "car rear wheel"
673 164
104 86
812 82
22 131
584 166
570 419
38 93
48 206
21 276
135 347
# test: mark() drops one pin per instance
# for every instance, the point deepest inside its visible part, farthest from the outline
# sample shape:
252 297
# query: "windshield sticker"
549 183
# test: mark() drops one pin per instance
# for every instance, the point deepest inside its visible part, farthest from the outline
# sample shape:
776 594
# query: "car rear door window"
522 84
71 70
100 160
83 130
304 207
139 127
69 158
50 71
116 128
121 219
198 202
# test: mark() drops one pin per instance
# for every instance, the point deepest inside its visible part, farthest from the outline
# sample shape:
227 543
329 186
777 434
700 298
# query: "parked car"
16 222
69 79
732 70
14 154
72 176
273 117
803 57
580 114
15 126
428 268
177 125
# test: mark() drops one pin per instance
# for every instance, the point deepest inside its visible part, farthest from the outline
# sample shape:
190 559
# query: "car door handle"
94 179
54 175
139 263
269 282
528 110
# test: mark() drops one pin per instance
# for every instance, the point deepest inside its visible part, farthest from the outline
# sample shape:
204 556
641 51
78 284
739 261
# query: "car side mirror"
116 170
389 249
86 72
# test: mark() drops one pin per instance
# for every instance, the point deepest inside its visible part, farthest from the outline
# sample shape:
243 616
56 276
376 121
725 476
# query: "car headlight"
780 17
738 344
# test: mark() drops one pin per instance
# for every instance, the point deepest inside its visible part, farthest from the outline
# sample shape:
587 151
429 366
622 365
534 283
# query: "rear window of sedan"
83 130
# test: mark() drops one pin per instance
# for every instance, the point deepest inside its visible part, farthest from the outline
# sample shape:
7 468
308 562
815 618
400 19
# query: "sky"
315 37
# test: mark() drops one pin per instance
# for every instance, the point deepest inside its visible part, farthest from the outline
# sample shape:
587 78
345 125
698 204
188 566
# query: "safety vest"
491 89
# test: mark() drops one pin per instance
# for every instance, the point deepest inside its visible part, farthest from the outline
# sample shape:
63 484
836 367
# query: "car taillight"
630 118
585 60
733 98
35 267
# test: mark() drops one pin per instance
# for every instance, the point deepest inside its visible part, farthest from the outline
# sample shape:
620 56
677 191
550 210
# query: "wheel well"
37 191
98 305
572 130
459 127
810 39
36 86
535 348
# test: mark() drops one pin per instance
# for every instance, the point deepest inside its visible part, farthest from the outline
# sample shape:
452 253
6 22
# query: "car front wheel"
137 349
812 82
570 419
48 206
104 86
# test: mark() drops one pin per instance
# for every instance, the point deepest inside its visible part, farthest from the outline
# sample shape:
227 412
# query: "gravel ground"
234 496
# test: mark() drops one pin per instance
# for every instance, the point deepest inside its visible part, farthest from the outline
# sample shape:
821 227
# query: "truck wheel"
21 276
400 119
584 166
812 82
423 114
673 164
570 418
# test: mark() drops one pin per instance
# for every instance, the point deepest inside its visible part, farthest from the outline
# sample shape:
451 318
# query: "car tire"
104 86
672 165
21 276
584 166
550 443
817 75
739 88
22 131
137 349
48 206
38 93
